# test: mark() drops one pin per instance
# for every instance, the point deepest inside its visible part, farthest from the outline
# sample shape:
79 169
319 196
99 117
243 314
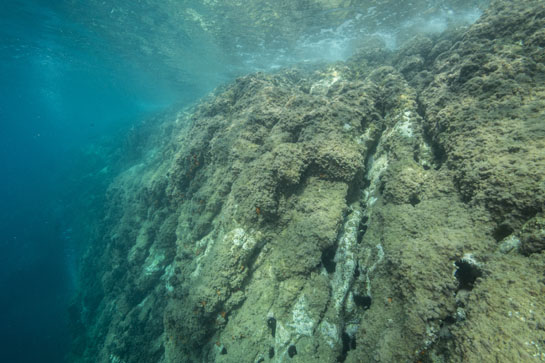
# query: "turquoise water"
76 77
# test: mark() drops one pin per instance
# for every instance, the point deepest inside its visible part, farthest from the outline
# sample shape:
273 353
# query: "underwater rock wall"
386 209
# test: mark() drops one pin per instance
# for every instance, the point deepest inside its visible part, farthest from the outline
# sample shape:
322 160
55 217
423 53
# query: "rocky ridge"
385 209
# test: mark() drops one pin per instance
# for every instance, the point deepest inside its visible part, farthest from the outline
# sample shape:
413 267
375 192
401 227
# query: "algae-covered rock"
484 109
388 209
532 235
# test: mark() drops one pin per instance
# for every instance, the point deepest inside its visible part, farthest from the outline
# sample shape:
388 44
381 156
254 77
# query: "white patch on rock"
330 333
470 259
351 329
240 239
509 244
380 256
283 336
169 271
404 127
153 262
345 259
376 167
349 304
365 137
322 86
205 243
302 323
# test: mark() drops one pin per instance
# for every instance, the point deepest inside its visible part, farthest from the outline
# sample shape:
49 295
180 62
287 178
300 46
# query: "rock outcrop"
385 209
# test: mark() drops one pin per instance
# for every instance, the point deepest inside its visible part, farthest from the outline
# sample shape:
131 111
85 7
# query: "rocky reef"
385 209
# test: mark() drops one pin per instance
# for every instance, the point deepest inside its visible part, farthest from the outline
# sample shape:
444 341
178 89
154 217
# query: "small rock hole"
363 301
357 272
449 320
349 343
381 188
328 256
362 228
439 154
501 232
292 351
271 323
414 200
466 274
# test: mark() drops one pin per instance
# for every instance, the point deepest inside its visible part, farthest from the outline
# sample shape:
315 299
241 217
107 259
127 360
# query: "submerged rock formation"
385 209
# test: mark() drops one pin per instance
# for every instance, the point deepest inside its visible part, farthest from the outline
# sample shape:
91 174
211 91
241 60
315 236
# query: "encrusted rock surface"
385 209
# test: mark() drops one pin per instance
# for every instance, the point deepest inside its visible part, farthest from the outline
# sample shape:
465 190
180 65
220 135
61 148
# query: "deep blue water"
59 95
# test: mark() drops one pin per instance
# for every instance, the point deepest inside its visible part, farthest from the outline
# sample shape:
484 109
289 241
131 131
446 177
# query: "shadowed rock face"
389 208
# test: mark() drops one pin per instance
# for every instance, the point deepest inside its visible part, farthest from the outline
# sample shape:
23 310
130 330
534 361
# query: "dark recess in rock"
416 158
328 256
502 231
466 274
349 343
292 351
362 228
271 323
381 188
439 154
223 351
363 301
356 272
467 71
271 352
448 320
414 200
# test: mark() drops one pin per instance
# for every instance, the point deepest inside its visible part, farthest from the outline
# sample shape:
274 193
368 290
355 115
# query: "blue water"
61 91
74 78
